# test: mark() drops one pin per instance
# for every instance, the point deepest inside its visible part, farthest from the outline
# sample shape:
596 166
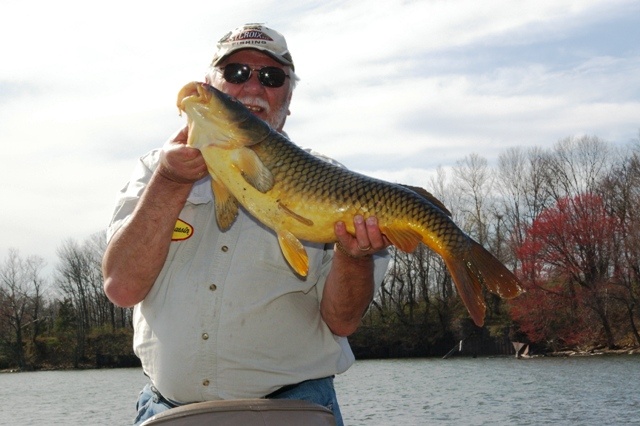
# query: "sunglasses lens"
268 76
236 73
272 76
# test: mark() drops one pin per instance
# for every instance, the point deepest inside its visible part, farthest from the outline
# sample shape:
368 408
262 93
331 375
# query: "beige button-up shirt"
227 318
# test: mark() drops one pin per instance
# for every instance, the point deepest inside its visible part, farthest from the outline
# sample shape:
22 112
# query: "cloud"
392 88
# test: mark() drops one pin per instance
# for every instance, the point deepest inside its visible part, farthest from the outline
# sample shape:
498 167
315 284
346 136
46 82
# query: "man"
220 315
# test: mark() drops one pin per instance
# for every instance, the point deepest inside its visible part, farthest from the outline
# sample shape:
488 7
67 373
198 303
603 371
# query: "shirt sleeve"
128 197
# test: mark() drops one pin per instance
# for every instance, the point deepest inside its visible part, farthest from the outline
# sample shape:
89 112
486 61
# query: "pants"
319 391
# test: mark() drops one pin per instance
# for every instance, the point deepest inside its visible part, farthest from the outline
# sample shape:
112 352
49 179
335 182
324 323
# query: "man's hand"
367 240
181 163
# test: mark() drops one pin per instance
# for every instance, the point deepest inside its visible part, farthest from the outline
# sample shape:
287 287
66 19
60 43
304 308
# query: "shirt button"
205 336
213 287
225 249
205 382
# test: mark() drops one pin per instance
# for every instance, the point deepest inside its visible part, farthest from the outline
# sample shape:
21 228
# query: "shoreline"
635 350
595 352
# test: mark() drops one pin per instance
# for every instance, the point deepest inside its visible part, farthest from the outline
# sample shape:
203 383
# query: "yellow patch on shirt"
182 231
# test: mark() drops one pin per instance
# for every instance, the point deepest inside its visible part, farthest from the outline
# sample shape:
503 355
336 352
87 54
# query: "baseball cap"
254 36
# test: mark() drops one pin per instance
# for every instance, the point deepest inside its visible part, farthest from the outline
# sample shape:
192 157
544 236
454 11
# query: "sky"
390 88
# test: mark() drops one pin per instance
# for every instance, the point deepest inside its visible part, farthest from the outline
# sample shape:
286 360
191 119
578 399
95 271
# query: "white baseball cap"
254 36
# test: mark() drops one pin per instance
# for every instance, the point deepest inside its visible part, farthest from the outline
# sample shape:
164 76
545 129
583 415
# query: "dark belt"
272 395
282 390
286 388
162 399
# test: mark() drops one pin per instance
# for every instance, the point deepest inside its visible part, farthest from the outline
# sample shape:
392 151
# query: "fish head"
215 118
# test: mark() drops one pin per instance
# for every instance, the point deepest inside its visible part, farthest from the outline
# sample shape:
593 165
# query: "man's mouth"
255 104
254 108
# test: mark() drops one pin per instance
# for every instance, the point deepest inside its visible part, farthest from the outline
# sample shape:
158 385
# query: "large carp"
300 196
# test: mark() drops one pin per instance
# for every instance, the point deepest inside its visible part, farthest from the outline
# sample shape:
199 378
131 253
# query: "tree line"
65 320
561 218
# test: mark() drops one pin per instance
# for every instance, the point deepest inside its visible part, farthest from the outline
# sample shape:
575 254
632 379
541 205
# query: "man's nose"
253 85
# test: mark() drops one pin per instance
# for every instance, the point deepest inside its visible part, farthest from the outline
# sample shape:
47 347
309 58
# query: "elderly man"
220 315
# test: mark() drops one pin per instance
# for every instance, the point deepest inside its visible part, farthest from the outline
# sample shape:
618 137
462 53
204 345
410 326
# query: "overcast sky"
390 88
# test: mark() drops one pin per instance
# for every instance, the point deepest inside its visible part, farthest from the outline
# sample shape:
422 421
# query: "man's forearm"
347 293
136 253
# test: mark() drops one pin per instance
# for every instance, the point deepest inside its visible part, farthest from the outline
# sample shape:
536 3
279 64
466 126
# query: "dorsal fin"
429 196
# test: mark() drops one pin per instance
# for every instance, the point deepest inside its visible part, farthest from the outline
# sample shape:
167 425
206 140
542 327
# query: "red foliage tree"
567 269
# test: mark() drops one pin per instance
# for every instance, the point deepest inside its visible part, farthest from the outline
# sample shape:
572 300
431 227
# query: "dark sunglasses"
240 73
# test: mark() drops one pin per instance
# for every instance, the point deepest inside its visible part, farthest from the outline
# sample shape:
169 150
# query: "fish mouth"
204 93
193 91
219 118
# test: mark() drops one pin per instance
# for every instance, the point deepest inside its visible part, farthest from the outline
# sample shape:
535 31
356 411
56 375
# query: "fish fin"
480 267
226 205
253 170
430 197
405 239
496 277
294 252
469 289
295 215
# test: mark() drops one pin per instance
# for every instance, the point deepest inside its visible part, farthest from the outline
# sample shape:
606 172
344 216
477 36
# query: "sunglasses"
268 76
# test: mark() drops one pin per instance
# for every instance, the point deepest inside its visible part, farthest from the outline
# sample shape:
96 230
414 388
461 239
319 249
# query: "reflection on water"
493 391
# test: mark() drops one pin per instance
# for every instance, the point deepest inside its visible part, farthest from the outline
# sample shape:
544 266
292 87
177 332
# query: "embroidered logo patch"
182 231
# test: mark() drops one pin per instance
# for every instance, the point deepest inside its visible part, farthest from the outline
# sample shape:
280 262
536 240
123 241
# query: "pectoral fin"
405 239
226 205
252 169
294 252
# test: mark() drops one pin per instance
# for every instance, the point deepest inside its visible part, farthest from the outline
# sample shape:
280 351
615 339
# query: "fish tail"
479 267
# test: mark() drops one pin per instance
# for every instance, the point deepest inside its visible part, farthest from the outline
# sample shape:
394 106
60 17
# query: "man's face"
269 103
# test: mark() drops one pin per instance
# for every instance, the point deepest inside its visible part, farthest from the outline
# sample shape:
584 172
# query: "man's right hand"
181 163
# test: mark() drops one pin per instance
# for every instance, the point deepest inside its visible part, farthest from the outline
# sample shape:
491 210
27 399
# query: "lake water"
602 390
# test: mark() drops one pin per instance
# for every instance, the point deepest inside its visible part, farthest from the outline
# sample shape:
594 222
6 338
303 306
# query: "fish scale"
301 196
325 183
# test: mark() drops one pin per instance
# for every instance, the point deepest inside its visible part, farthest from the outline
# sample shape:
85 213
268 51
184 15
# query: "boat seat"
246 412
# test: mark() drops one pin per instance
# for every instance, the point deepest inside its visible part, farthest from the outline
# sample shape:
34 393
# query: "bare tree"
21 303
33 270
621 190
474 181
577 166
75 274
521 183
